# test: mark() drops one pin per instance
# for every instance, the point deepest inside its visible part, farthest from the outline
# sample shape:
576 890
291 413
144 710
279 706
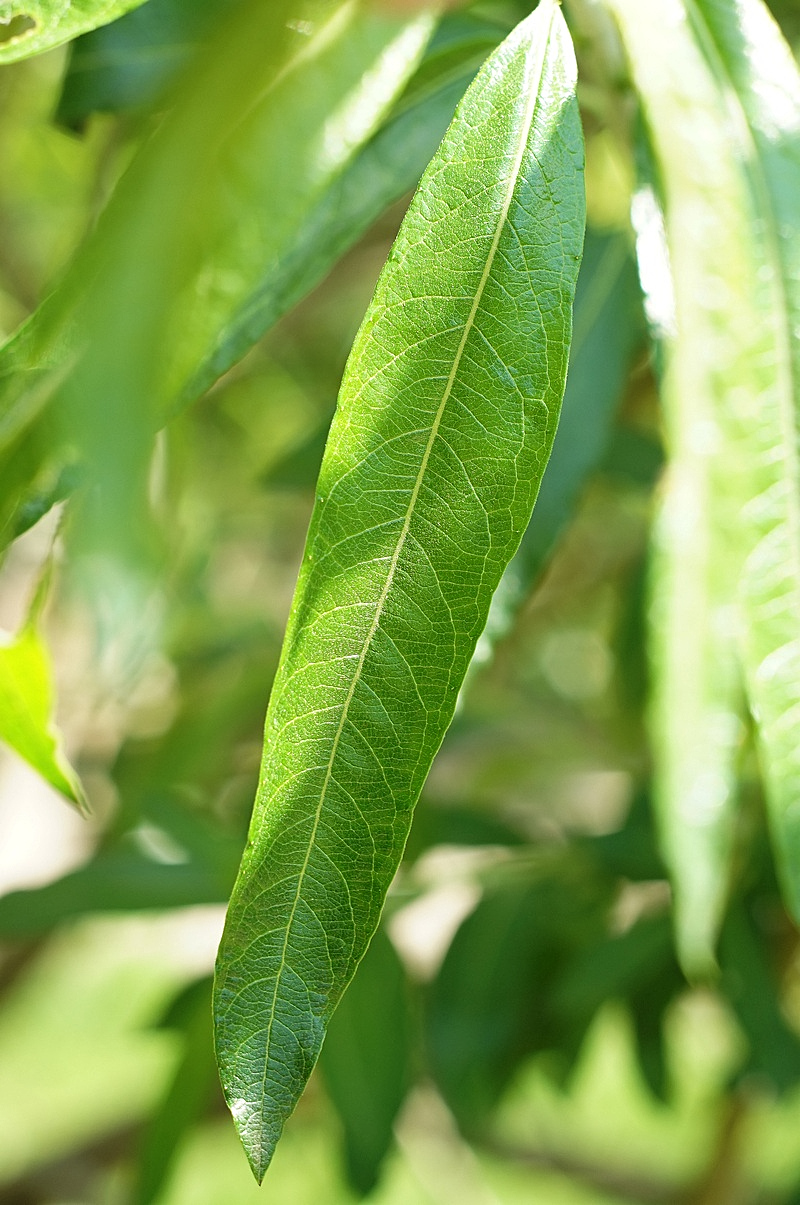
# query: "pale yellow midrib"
524 131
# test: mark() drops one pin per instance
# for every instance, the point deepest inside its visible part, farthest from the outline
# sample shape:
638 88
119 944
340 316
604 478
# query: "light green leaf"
189 232
384 170
30 26
721 97
446 417
26 711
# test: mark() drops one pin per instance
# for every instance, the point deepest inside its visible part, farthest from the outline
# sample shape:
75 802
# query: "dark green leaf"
445 421
26 711
365 1060
607 329
126 64
188 1094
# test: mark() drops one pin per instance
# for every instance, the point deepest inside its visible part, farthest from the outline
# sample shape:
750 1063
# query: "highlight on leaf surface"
720 92
446 417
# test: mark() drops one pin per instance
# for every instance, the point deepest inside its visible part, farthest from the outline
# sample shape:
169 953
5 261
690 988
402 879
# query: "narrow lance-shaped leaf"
722 99
30 26
446 417
756 71
697 696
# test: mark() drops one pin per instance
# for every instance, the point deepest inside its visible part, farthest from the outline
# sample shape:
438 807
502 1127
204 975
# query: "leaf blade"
724 134
26 706
421 502
36 25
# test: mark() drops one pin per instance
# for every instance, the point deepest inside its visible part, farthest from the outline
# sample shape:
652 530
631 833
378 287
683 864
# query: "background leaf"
427 484
366 1060
730 396
26 711
30 26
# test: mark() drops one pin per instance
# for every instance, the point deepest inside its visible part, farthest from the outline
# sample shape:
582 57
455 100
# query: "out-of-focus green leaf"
721 95
169 858
189 231
751 986
495 1001
187 1095
384 170
445 421
30 26
365 1060
26 711
127 64
124 879
608 327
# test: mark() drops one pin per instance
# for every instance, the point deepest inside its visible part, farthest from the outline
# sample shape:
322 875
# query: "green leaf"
721 96
188 1094
446 417
384 170
607 329
535 933
30 26
189 231
365 1061
26 711
127 64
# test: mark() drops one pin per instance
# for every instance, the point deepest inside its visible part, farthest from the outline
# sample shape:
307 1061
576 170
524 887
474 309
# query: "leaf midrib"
524 130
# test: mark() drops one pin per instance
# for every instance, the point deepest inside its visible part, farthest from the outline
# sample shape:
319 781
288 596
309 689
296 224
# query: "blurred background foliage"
520 1029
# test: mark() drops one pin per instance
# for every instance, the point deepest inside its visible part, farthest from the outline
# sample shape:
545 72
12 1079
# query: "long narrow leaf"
721 96
446 418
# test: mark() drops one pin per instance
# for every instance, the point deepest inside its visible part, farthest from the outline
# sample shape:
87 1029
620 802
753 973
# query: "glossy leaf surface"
445 421
721 95
30 26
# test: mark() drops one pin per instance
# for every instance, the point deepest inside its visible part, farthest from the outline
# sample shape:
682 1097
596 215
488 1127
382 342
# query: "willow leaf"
189 232
445 421
30 26
721 96
26 711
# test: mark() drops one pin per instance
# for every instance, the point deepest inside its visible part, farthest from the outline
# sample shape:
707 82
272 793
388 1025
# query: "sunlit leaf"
387 168
189 231
187 1095
29 26
607 328
26 711
721 96
445 421
129 63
